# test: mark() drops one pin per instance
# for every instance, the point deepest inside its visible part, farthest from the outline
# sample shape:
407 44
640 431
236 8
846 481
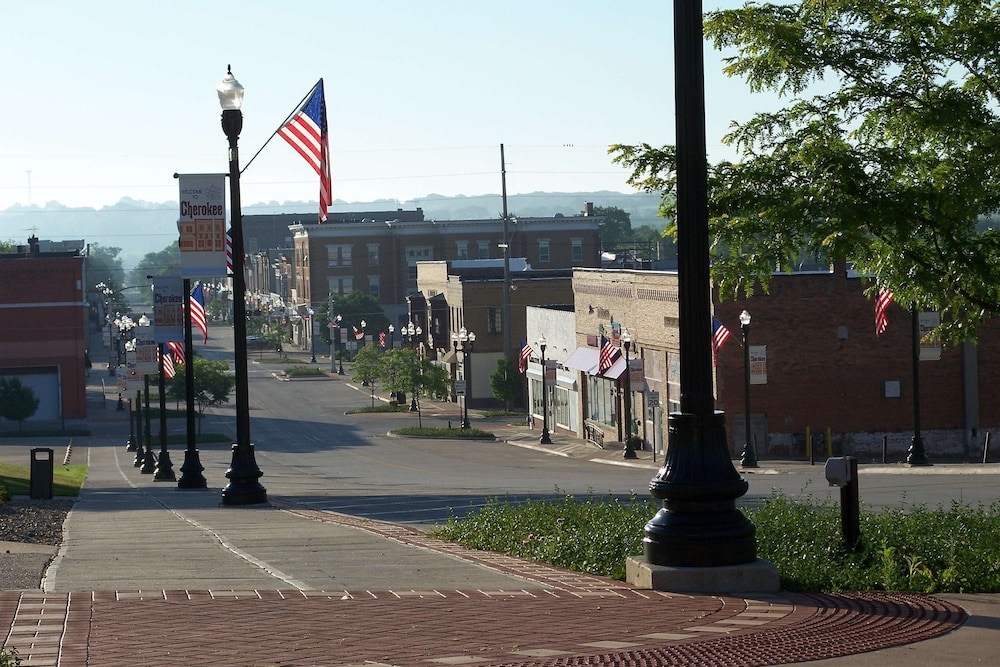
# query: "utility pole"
506 261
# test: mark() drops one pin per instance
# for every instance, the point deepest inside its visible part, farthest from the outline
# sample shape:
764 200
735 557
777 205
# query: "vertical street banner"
201 225
758 364
930 346
168 309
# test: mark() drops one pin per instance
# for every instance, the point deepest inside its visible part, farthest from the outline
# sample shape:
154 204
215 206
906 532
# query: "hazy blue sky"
108 99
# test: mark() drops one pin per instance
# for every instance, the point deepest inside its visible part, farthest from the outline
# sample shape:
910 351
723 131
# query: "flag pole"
282 124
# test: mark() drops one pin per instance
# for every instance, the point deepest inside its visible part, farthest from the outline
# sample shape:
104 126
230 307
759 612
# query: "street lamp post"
414 333
106 291
312 334
546 439
244 487
629 451
749 456
392 333
340 352
916 455
164 466
463 342
364 383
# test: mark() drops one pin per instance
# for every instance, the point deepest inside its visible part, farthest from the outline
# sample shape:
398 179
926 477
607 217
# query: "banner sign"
202 225
168 309
758 364
930 348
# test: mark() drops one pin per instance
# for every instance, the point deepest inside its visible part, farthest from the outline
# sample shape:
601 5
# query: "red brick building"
43 327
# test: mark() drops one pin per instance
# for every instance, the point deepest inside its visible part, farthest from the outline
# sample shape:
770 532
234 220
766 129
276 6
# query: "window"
341 286
484 249
494 320
338 255
373 286
461 250
543 250
577 249
372 254
414 254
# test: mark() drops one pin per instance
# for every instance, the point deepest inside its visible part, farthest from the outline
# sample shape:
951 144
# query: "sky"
104 100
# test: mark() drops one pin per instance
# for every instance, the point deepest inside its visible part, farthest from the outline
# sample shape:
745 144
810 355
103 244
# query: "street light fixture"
392 332
629 452
340 353
463 342
414 332
244 487
312 334
546 439
749 457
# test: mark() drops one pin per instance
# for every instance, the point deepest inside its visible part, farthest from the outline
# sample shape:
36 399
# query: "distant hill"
140 227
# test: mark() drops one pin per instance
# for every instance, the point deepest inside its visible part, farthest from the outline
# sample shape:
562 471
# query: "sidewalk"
152 575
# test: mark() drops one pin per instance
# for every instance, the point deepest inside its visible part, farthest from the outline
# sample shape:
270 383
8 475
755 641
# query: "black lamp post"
164 466
192 470
364 383
629 451
392 333
916 455
749 457
698 524
546 439
106 291
312 334
463 342
244 487
414 333
340 353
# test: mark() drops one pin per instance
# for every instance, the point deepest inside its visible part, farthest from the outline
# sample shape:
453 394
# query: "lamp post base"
629 451
244 487
164 468
546 439
749 457
140 455
699 524
191 477
916 456
148 462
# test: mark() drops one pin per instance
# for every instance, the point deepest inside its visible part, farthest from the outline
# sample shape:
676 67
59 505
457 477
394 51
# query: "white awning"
616 370
584 359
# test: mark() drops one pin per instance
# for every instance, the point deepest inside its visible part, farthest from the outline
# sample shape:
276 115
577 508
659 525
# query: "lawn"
66 479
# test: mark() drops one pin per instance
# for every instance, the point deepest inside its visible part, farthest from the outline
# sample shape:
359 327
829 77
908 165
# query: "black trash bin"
41 473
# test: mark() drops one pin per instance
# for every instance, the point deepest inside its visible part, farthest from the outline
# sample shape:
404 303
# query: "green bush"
436 432
303 371
952 549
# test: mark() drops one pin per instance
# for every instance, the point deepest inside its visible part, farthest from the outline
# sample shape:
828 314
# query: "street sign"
460 387
653 399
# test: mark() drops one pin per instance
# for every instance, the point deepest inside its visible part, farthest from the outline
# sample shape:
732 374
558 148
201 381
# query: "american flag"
609 353
306 131
522 360
882 304
197 306
229 251
168 362
178 351
720 334
381 338
358 334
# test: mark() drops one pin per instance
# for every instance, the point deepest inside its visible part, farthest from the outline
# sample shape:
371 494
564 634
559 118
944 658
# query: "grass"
46 433
66 480
379 407
437 432
304 371
952 549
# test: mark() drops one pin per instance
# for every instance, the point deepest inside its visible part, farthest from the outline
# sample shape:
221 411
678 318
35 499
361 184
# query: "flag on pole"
522 360
882 304
306 131
609 353
197 307
358 335
229 251
381 338
720 334
178 351
168 363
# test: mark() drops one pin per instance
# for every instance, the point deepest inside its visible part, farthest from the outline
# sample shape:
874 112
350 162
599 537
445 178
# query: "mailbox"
838 471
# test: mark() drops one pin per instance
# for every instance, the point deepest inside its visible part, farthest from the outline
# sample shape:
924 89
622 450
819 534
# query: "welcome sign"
202 225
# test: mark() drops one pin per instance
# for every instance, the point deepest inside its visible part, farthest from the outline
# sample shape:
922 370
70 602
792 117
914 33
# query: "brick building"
43 327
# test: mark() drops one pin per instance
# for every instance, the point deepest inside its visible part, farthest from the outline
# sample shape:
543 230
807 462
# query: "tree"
401 372
166 262
212 384
506 383
17 402
104 266
884 156
369 368
615 226
355 306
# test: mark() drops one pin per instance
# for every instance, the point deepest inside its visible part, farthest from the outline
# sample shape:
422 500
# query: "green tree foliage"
354 307
884 155
615 227
212 384
104 266
17 402
506 383
369 368
166 262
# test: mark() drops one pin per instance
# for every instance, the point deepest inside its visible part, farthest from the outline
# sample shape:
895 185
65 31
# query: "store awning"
584 359
616 370
449 357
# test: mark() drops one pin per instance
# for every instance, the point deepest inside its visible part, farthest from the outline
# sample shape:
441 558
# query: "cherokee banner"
201 225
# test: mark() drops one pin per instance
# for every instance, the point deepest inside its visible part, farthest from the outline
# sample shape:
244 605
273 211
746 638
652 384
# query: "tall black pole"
244 487
191 471
148 460
468 385
505 311
546 438
749 457
164 466
140 452
698 485
629 451
916 456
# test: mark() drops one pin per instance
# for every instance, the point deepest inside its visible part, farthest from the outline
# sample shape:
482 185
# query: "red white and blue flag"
197 306
720 334
177 349
609 354
306 131
168 362
522 360
358 333
381 338
882 304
